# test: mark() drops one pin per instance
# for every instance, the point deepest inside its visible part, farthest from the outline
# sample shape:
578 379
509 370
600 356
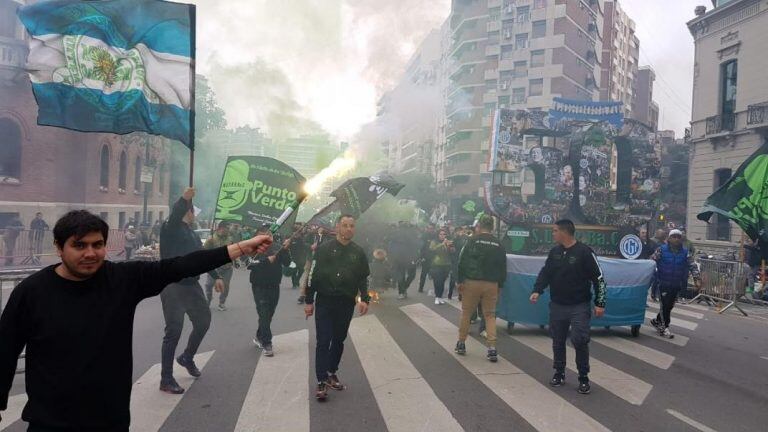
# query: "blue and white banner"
113 66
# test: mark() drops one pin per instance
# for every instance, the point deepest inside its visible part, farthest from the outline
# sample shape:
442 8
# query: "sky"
301 66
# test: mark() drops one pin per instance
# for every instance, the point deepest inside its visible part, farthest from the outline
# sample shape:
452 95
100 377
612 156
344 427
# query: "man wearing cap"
672 277
220 238
177 238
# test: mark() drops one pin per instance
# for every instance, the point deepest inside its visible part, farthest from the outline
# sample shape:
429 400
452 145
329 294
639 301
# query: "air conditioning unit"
504 85
507 34
510 8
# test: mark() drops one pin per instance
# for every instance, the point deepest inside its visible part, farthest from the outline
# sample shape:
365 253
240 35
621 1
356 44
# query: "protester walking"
426 254
266 274
571 271
37 229
482 270
12 230
339 275
460 239
299 253
440 265
672 264
220 238
76 320
183 297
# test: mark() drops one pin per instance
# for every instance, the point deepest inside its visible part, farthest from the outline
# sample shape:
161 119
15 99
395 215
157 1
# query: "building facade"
620 58
511 54
53 170
730 106
646 110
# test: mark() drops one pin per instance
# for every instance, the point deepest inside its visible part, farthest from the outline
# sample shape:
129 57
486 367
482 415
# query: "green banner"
255 190
744 197
537 239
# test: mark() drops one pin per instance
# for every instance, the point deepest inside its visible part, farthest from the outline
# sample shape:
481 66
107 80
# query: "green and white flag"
744 197
255 190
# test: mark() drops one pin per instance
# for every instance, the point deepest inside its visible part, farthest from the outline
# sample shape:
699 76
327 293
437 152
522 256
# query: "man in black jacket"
482 271
76 320
339 274
184 297
571 270
266 274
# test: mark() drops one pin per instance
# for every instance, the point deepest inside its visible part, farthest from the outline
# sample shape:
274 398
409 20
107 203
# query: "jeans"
226 275
439 276
333 315
668 298
425 270
180 299
400 271
482 293
266 298
577 318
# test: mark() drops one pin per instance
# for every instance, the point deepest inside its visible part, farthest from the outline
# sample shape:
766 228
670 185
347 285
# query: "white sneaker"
431 293
437 300
484 334
442 301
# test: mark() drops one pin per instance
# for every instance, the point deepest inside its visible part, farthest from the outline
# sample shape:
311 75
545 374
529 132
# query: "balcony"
469 56
492 50
724 122
757 115
468 76
467 145
491 74
493 26
463 125
469 166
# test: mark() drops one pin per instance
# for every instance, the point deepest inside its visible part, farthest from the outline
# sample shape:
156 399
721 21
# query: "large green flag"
744 197
256 190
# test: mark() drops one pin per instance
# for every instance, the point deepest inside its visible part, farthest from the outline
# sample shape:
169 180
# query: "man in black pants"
672 263
76 320
426 255
570 271
184 297
299 251
339 274
266 273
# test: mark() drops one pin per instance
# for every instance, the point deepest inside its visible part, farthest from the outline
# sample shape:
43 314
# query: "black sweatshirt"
79 338
339 270
570 273
265 274
177 238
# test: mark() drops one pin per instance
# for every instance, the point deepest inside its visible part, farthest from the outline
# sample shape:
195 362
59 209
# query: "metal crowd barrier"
8 281
723 283
30 248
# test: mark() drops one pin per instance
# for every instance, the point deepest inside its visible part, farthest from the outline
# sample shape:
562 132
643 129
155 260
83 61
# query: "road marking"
623 385
677 322
278 398
764 358
13 412
680 311
694 306
406 401
150 406
691 422
678 340
633 349
537 404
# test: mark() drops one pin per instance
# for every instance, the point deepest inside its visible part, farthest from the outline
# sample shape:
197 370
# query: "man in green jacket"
482 272
220 238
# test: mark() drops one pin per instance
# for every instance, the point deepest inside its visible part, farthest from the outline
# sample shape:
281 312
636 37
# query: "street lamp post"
147 184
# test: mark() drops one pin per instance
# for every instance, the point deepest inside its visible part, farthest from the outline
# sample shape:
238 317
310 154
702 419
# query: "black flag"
354 197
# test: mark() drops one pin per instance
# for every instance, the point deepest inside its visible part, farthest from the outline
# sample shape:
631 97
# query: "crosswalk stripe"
633 349
676 321
13 412
678 340
537 404
623 385
690 421
151 407
693 306
278 398
680 311
406 401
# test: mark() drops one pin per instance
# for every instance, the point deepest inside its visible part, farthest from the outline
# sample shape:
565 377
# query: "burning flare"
337 168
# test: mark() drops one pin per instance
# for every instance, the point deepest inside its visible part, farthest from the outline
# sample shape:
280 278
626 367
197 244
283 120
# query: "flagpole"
193 56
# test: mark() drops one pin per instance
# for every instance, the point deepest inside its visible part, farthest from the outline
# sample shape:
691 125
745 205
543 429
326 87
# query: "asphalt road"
402 375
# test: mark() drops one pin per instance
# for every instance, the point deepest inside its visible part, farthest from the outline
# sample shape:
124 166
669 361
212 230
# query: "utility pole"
147 184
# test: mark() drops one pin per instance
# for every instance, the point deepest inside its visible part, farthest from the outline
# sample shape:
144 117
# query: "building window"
162 216
536 87
523 14
720 229
539 4
507 51
539 29
161 179
104 171
518 95
521 69
150 216
537 58
10 149
104 216
728 72
136 217
137 175
122 174
521 41
121 220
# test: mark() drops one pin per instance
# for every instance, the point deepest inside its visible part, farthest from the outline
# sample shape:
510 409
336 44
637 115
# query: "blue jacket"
671 267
